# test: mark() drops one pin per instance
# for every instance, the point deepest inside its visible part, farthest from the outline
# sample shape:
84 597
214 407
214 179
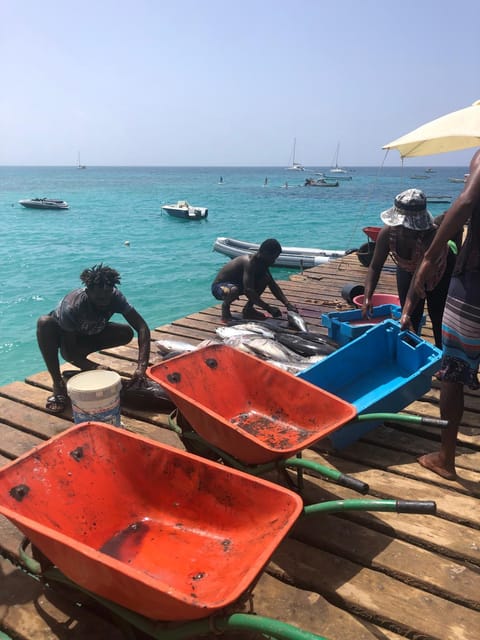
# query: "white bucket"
95 395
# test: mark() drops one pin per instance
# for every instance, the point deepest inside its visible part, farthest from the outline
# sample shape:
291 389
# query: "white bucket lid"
97 381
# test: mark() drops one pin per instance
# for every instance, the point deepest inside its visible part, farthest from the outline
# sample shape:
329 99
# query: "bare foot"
433 462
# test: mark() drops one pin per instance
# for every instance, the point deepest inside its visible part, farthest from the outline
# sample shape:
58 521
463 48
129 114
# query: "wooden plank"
14 443
402 560
456 539
403 607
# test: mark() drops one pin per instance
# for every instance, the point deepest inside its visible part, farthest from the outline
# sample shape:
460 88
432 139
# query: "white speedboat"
44 203
298 257
185 211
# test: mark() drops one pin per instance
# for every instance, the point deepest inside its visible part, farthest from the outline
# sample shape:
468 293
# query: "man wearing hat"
408 232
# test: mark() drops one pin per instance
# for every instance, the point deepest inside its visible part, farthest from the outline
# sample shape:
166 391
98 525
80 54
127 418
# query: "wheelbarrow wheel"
365 253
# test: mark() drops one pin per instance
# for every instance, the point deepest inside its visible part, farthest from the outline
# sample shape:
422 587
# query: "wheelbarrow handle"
402 417
327 472
353 483
428 507
398 506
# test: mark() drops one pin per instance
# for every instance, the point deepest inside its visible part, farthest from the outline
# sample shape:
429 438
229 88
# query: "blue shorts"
221 290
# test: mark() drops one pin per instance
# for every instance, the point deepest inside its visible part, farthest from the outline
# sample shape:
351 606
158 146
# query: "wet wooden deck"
350 576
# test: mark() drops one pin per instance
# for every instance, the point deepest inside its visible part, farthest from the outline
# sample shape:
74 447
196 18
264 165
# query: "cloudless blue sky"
220 83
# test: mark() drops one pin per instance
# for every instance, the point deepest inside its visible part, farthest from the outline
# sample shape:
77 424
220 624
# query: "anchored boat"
44 203
302 257
185 211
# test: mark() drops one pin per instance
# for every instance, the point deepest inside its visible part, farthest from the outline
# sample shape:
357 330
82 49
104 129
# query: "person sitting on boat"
80 325
250 275
408 232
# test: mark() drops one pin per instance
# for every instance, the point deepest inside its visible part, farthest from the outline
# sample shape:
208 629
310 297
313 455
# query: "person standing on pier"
409 229
461 319
80 325
250 275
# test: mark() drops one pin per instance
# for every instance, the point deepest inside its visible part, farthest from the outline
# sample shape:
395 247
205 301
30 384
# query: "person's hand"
292 307
137 380
367 308
274 311
406 322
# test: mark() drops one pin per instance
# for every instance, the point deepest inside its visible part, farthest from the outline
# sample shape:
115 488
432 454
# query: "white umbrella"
452 132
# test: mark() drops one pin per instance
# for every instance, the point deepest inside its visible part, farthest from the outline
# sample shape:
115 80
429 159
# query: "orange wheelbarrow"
254 416
166 540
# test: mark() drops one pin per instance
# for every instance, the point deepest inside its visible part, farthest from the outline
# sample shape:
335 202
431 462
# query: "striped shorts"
461 331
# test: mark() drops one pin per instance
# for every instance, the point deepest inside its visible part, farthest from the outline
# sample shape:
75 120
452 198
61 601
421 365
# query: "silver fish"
170 345
295 321
256 327
237 342
248 328
296 367
269 348
208 342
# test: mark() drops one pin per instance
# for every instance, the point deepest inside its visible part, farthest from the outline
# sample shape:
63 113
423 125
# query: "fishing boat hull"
43 203
297 257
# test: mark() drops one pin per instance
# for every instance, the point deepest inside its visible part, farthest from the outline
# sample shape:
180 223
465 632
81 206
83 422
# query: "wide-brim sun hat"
409 210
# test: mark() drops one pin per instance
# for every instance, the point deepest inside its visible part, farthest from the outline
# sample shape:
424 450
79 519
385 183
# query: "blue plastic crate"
383 370
344 326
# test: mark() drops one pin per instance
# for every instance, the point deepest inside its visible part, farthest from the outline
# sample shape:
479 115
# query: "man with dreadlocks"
81 325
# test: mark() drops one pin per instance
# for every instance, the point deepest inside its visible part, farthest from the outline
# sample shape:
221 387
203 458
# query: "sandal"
57 403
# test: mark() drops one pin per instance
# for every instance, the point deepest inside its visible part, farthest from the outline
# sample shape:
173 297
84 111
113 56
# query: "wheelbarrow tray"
157 530
247 407
372 232
383 370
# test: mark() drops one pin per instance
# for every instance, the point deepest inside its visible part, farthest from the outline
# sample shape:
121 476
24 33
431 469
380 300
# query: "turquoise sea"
167 265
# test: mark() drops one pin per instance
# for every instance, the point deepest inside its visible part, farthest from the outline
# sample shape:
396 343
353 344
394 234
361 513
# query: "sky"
231 82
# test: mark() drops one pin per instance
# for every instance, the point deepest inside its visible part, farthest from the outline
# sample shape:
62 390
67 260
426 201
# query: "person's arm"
279 295
382 248
136 321
250 276
455 218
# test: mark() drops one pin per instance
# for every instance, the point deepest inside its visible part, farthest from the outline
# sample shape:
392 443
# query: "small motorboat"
44 203
320 182
185 211
298 257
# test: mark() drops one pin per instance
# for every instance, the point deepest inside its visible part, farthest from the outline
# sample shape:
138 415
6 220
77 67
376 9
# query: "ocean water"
168 264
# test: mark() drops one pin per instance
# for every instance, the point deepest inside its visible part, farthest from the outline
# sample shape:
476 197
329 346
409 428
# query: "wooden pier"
349 576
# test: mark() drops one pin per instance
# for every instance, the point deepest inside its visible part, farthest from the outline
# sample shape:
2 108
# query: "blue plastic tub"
344 326
383 370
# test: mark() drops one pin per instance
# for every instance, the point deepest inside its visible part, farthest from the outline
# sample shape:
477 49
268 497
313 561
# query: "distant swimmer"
221 180
265 182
